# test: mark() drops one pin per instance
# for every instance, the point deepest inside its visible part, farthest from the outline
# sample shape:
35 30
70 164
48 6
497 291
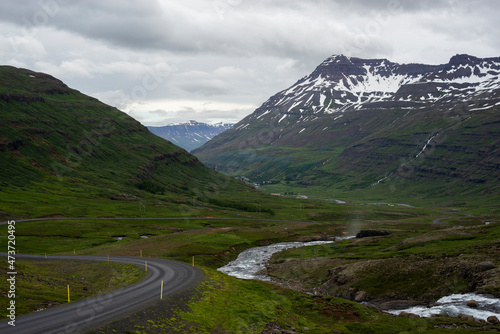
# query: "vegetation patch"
230 305
151 186
416 266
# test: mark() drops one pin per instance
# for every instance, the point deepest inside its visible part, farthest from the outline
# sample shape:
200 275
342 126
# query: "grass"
229 305
42 284
421 262
237 306
213 241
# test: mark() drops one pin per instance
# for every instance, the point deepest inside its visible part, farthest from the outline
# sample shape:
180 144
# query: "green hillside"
65 153
355 152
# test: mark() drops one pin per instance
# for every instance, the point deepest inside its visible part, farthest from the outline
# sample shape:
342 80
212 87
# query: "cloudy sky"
165 61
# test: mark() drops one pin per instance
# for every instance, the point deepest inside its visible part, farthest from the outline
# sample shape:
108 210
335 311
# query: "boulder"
409 315
125 197
360 296
466 317
371 233
348 294
485 265
493 320
272 328
472 303
395 304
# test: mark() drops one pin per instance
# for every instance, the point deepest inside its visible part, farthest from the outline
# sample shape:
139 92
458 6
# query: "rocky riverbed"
479 307
341 278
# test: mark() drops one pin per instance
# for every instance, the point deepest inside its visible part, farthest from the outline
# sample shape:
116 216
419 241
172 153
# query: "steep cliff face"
357 124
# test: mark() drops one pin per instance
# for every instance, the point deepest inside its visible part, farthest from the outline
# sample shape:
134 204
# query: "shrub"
151 186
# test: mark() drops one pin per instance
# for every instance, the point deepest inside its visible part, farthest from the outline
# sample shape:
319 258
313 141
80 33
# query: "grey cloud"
246 28
229 51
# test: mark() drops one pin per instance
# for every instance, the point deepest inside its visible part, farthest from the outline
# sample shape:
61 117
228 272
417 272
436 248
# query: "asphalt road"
84 315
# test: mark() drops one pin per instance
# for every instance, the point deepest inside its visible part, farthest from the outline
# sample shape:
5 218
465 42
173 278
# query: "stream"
251 261
454 305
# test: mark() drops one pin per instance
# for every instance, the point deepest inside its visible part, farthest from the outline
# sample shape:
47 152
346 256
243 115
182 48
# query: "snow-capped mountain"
372 117
189 135
341 83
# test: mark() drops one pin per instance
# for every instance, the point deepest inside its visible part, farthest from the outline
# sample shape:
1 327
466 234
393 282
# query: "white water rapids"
253 260
454 305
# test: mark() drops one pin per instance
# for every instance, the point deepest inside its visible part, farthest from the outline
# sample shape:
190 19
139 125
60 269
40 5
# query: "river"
251 261
456 304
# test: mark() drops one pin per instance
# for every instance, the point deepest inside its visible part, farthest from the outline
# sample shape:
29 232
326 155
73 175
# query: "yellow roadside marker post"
74 251
193 261
68 294
141 253
161 291
146 265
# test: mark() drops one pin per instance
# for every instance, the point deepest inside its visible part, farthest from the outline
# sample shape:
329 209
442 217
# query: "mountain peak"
337 59
341 82
462 59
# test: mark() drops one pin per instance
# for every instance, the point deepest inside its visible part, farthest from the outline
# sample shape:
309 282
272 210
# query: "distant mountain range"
189 135
374 127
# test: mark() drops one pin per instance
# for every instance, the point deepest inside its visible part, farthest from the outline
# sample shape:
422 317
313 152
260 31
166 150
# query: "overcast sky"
165 61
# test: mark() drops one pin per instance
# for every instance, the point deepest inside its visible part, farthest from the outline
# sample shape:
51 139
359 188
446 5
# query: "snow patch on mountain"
342 83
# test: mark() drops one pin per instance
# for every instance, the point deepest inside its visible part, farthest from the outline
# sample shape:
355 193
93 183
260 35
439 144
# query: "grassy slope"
64 153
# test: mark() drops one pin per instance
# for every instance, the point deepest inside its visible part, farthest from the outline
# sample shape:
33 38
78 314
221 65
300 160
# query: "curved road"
439 220
84 315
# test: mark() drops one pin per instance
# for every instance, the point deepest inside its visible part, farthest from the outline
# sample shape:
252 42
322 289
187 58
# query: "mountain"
189 135
374 128
65 153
